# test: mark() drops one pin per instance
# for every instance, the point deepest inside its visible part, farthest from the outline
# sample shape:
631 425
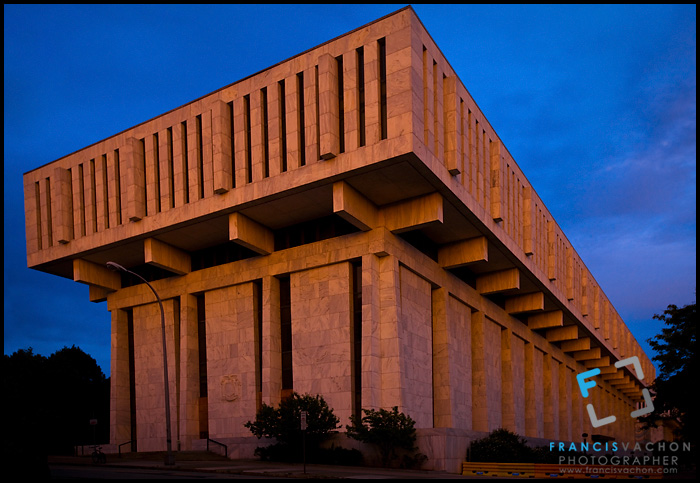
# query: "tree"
48 405
284 425
390 431
82 395
676 348
50 401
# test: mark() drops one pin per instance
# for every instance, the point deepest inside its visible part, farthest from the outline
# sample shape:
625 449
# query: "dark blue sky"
595 103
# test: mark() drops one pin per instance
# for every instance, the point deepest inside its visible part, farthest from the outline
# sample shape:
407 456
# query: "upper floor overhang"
374 127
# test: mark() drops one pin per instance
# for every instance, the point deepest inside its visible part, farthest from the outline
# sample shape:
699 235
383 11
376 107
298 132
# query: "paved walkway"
255 467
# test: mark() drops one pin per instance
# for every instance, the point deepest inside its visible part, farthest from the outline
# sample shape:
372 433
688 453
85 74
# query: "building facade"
344 223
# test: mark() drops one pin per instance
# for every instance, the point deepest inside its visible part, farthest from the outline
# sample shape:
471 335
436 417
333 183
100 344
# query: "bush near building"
501 446
283 426
392 432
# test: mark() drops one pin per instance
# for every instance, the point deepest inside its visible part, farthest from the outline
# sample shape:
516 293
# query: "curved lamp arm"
169 459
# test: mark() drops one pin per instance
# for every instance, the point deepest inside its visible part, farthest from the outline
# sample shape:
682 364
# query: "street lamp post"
169 457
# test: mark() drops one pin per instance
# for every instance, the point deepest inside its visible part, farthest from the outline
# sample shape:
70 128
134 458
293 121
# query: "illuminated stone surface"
398 224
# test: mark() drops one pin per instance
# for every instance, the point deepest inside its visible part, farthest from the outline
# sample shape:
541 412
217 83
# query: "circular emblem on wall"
230 387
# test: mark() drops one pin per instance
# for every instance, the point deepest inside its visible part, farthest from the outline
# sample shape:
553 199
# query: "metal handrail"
220 444
120 446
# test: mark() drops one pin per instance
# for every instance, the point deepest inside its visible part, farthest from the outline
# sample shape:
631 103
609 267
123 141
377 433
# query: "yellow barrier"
515 470
536 470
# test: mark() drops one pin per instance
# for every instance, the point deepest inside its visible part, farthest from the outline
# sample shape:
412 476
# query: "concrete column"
119 405
148 365
442 377
271 342
390 347
371 337
460 354
189 372
321 335
565 409
549 391
231 360
415 338
507 395
519 388
480 420
530 391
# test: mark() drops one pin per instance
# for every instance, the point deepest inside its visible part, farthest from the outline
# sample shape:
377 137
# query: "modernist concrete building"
344 223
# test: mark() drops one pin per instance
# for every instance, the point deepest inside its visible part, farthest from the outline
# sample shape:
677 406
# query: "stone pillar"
231 360
531 394
415 338
389 296
519 388
321 336
371 337
119 405
189 372
271 342
565 409
549 391
480 421
148 365
507 396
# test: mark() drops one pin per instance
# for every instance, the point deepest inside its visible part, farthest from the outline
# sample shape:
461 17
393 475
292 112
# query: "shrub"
284 425
390 431
500 446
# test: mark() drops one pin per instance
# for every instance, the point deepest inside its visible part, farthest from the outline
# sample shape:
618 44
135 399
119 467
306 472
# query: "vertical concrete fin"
329 116
221 146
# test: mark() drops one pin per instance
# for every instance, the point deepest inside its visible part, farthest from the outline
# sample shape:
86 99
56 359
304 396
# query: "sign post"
303 437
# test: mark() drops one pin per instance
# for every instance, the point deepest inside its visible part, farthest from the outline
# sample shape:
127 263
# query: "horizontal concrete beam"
608 370
250 234
353 207
94 274
164 256
587 355
558 334
463 253
414 214
617 379
546 320
602 362
582 344
618 374
530 302
498 281
625 387
98 294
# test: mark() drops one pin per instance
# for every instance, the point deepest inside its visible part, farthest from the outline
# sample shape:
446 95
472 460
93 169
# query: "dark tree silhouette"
50 401
676 353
